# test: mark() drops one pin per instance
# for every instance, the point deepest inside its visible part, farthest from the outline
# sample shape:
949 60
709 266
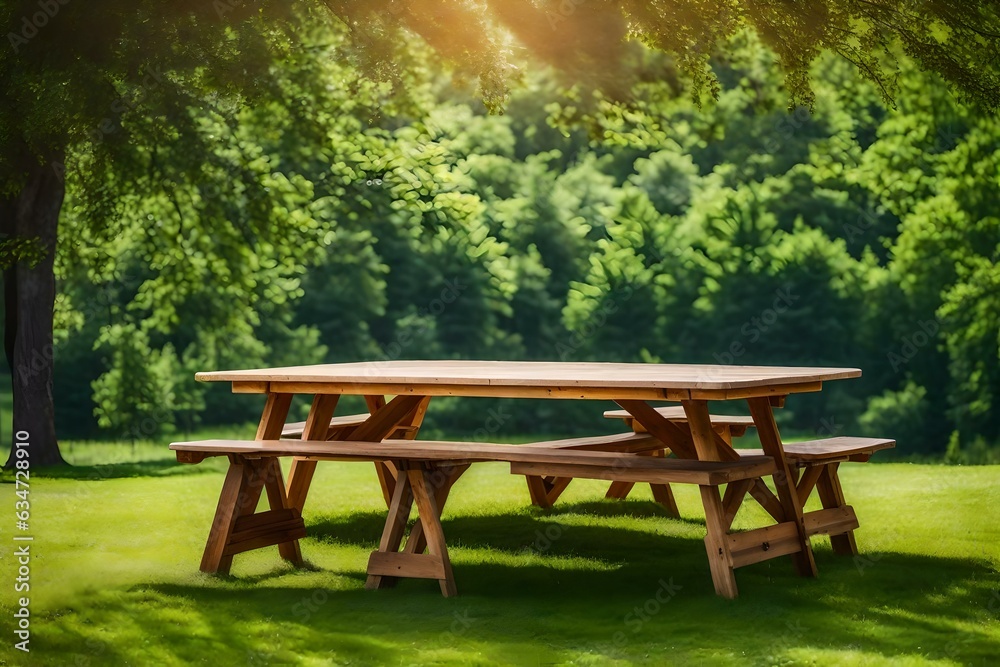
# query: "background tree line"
668 229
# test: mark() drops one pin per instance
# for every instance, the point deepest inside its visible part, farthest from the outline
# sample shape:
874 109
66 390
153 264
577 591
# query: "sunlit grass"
116 581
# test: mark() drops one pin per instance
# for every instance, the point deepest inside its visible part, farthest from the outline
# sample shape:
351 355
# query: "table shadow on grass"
365 527
901 603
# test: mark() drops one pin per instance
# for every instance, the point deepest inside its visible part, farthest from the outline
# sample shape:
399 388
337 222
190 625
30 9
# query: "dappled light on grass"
577 584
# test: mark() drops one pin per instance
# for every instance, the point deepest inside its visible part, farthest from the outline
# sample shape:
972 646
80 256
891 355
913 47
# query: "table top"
538 374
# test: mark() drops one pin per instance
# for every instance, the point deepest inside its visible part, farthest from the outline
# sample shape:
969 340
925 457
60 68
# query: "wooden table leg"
770 440
316 428
403 410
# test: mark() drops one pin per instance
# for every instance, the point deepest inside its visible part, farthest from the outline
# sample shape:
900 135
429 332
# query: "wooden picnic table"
411 384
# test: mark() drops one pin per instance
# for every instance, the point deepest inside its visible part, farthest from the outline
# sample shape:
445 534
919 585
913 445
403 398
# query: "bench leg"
442 479
395 528
661 492
277 500
237 528
545 491
619 490
832 496
733 499
720 559
430 519
226 514
413 485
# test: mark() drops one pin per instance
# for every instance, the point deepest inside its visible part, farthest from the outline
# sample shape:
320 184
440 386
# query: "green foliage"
904 413
739 232
135 395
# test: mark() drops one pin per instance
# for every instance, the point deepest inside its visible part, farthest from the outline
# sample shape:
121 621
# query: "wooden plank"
555 487
681 472
671 435
702 434
676 413
387 476
265 540
756 389
272 421
720 559
536 491
832 496
277 499
754 546
619 490
273 417
829 449
395 527
196 457
664 496
770 440
406 428
805 484
662 493
430 518
619 442
766 498
375 402
252 387
226 515
498 391
294 430
276 527
384 420
416 542
316 427
494 374
253 521
733 499
602 463
418 566
833 521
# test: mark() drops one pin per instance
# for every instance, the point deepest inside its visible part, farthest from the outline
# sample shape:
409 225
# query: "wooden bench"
340 428
405 424
815 464
727 426
426 472
544 491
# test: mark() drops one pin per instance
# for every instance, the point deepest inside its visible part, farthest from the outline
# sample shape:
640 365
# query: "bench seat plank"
840 448
295 429
631 442
676 413
651 470
600 465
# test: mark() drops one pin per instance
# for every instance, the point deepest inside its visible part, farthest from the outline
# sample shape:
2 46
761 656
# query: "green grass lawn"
115 576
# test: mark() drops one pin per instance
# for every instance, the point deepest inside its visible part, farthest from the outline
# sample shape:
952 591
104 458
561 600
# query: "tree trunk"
29 299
